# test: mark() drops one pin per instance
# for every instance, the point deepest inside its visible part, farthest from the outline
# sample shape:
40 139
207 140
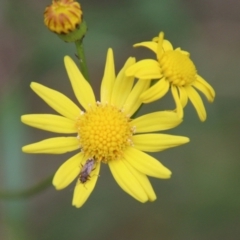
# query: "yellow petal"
177 101
183 96
155 92
127 181
50 122
67 172
205 88
160 45
156 121
82 89
143 180
122 86
145 69
83 191
108 78
197 103
56 145
157 142
133 101
57 101
151 45
146 164
182 51
167 46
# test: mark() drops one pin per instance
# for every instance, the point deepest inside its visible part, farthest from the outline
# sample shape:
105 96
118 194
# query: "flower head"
65 17
104 133
174 69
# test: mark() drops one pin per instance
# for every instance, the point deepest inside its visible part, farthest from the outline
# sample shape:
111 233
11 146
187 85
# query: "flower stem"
82 59
27 192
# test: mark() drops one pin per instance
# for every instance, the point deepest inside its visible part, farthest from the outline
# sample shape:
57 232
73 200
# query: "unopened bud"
65 18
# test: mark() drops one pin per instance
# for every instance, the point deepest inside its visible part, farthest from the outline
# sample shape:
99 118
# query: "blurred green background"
201 200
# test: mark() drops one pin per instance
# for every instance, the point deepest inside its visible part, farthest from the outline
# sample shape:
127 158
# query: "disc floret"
104 132
178 68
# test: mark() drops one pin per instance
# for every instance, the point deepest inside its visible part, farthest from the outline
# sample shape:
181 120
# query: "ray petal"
145 69
205 88
82 89
182 51
146 164
177 101
183 96
160 46
67 172
155 92
151 45
157 142
108 78
57 101
50 122
167 46
83 191
197 103
133 102
57 145
123 85
127 181
156 121
143 180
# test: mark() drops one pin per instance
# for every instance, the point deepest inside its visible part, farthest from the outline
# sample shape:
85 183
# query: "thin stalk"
11 195
82 59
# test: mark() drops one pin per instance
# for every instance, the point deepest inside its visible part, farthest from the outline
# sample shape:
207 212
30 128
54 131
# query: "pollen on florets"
104 132
178 68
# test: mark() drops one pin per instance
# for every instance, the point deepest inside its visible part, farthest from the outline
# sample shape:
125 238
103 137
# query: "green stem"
28 192
82 59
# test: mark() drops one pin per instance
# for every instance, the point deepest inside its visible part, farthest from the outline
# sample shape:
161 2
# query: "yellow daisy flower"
104 133
175 70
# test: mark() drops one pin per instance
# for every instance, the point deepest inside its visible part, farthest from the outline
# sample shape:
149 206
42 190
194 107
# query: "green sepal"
76 35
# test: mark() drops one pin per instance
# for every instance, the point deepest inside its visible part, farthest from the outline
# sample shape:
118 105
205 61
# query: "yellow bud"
65 18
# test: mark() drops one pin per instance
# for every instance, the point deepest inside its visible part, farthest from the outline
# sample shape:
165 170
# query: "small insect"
87 168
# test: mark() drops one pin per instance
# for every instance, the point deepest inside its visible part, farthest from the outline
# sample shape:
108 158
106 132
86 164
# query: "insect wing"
86 170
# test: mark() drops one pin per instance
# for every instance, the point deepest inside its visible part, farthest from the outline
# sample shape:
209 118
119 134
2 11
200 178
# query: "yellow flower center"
63 16
177 68
104 132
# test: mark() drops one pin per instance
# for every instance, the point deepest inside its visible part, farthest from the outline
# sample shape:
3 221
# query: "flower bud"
65 18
